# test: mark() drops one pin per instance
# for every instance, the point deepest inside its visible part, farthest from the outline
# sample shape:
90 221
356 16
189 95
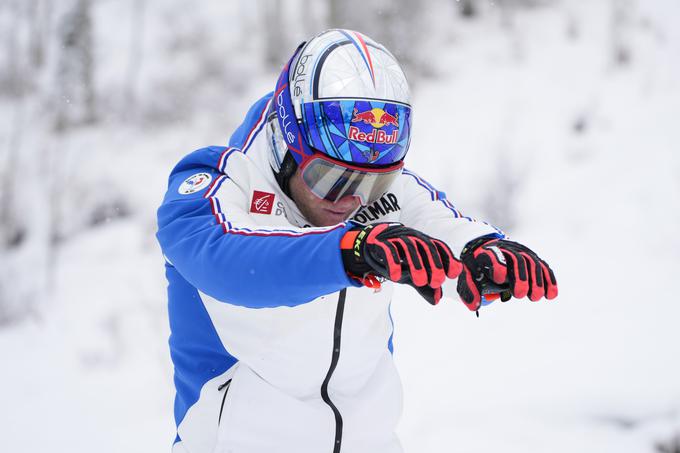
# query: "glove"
399 254
505 267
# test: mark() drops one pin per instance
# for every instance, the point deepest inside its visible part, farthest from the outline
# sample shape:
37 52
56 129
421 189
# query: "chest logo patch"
194 183
262 202
382 207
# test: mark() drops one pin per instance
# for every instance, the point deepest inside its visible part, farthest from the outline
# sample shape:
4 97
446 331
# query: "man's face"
318 211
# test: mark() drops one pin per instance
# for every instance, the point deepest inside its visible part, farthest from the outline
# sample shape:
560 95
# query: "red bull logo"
377 118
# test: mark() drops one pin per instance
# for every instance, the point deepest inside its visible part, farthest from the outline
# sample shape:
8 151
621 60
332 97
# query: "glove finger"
418 260
402 260
517 270
452 266
412 261
429 248
468 291
432 261
542 282
550 282
430 294
383 257
537 289
420 272
498 271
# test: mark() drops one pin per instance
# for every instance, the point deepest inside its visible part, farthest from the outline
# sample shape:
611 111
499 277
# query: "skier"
282 250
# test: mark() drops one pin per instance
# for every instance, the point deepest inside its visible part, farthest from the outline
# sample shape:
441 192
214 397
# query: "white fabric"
274 402
346 64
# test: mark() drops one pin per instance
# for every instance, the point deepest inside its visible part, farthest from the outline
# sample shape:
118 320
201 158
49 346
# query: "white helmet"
343 96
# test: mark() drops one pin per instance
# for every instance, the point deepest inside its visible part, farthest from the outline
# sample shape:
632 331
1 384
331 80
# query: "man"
279 305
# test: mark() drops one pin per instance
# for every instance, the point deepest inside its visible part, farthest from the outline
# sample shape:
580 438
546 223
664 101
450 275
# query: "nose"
348 202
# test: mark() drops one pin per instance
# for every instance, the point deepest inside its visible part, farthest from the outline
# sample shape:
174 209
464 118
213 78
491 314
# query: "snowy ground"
589 150
597 370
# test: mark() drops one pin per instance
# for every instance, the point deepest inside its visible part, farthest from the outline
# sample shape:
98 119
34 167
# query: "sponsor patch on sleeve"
194 183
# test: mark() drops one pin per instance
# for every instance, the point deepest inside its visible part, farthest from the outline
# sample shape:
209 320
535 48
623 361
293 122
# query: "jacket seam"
335 357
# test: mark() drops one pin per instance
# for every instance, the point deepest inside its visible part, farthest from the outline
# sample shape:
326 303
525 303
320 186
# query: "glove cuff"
351 252
348 239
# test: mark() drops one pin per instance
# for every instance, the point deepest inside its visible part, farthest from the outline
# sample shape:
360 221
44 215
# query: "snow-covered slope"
528 123
596 370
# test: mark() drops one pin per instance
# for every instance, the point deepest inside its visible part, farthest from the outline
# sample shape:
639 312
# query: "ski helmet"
340 113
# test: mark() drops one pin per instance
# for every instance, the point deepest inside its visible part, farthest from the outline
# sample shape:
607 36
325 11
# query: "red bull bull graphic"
377 118
367 117
386 118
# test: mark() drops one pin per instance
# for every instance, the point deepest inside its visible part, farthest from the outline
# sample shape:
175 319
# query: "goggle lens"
332 181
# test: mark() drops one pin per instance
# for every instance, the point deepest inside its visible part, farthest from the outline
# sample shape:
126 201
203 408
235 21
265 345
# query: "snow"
601 206
526 121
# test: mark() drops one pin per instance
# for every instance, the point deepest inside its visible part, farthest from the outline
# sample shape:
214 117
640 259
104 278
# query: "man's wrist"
352 253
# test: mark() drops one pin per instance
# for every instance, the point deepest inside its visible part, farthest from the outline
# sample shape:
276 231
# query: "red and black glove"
504 267
399 254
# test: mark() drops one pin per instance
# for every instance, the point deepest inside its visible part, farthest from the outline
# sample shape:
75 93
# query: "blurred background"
556 120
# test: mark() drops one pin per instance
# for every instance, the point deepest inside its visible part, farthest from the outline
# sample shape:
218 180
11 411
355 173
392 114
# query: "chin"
327 222
329 219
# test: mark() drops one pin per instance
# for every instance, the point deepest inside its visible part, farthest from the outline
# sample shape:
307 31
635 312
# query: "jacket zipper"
224 387
337 333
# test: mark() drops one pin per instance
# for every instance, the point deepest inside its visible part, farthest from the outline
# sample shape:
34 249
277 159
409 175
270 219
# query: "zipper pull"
222 386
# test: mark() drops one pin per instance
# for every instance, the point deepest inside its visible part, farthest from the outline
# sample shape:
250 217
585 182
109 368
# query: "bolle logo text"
299 75
284 116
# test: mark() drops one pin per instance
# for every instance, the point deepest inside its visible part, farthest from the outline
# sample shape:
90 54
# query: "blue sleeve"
262 268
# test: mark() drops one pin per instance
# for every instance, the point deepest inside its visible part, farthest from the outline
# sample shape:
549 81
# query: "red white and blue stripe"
254 122
229 228
222 162
360 44
436 195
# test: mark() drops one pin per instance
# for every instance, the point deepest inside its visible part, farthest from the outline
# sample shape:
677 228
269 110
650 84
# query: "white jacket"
275 348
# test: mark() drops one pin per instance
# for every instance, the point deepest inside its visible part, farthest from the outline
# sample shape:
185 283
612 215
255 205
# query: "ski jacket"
274 348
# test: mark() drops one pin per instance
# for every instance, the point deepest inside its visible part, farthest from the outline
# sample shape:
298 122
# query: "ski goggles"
332 180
